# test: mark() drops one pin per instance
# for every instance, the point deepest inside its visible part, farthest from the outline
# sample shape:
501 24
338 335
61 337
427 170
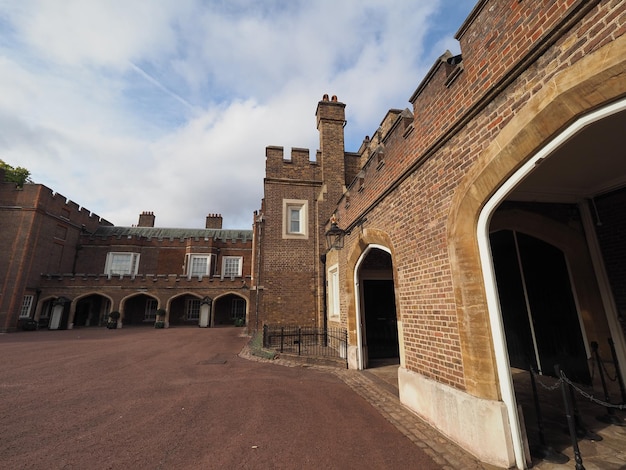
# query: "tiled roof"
173 233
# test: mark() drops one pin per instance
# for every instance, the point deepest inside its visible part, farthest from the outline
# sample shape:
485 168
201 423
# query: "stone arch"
172 304
594 81
220 313
123 306
357 251
43 310
76 300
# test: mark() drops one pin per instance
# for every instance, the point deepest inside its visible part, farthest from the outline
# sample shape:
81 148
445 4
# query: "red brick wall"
159 256
409 196
291 273
40 231
288 265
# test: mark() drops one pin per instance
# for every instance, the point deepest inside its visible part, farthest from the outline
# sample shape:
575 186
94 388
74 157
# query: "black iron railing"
306 341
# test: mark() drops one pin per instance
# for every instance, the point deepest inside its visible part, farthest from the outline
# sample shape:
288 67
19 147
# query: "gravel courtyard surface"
180 398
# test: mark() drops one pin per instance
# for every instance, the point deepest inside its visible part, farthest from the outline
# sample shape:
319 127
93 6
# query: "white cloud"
131 106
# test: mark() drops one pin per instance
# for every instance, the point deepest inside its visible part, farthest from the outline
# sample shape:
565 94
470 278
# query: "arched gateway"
556 158
377 327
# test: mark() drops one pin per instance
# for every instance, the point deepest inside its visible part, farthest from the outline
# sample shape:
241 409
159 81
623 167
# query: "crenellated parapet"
298 166
458 87
44 199
377 162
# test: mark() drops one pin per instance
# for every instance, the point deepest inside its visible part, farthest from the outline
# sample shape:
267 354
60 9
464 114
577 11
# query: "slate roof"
174 233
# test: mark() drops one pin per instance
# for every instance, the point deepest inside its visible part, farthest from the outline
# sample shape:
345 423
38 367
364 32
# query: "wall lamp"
334 235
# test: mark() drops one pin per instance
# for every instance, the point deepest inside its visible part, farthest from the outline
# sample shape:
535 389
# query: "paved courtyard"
180 398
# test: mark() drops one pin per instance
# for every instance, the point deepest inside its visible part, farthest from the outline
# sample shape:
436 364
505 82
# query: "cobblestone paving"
440 449
443 451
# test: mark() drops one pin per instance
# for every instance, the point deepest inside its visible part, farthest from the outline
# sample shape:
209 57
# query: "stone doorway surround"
594 81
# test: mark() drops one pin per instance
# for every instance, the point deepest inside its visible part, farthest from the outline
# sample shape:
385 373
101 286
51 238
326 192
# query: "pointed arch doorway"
560 183
377 318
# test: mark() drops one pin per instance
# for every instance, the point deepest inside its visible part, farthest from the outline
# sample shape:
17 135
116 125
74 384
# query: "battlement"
42 198
498 41
298 167
491 55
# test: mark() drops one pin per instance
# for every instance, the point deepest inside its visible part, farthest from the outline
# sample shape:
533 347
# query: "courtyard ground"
180 398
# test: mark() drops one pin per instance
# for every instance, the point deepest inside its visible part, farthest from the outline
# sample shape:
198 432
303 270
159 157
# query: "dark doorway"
140 310
229 310
90 311
185 310
538 307
379 327
380 319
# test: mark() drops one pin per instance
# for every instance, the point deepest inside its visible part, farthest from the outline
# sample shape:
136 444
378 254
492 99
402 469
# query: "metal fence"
306 341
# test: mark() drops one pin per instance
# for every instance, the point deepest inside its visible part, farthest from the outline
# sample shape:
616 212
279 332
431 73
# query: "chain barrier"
550 388
587 395
590 397
575 424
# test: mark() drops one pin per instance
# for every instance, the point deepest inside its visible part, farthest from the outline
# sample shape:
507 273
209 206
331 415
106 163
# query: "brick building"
482 229
64 267
479 232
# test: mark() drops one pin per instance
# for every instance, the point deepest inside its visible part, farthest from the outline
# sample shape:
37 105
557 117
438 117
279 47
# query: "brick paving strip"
443 451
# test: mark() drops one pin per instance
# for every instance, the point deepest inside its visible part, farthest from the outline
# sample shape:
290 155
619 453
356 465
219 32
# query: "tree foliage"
17 175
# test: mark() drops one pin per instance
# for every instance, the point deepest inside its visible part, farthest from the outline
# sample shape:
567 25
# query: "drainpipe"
324 293
259 221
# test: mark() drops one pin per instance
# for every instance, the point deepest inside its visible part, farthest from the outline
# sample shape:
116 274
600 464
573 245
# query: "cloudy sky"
126 106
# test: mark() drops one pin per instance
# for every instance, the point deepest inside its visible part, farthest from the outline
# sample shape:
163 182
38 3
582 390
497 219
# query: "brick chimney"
146 219
331 119
214 221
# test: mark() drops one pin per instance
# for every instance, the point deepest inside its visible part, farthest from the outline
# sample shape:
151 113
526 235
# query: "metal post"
282 337
581 428
299 340
571 424
543 451
265 341
609 417
620 379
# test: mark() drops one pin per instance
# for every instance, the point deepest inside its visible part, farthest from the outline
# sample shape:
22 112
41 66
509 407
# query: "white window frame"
192 309
133 263
151 308
27 305
209 268
301 208
334 307
227 267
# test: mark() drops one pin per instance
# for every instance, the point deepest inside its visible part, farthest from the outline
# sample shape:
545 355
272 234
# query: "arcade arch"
139 309
90 310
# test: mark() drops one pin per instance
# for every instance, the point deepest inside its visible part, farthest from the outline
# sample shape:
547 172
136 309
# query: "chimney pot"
146 219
